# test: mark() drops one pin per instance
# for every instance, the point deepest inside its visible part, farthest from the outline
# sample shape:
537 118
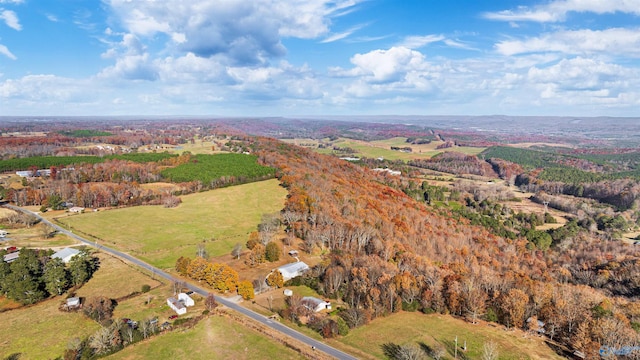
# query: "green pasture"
219 219
215 337
416 328
382 148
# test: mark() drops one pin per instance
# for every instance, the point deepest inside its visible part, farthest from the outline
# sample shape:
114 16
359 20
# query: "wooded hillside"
389 252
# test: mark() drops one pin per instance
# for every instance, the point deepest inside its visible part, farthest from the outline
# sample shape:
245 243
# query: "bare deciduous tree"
489 351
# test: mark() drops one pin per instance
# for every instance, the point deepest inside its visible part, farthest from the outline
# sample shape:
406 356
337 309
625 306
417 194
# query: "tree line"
34 275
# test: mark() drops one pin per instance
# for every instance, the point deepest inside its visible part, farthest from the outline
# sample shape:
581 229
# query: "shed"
11 257
177 306
73 302
3 233
66 254
292 270
186 299
315 304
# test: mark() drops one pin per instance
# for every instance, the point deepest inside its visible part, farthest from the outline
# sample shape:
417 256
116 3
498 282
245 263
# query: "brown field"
160 186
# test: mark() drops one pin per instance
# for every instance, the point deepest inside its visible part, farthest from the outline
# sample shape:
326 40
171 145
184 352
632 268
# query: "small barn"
186 299
73 303
66 254
292 270
315 304
177 306
11 257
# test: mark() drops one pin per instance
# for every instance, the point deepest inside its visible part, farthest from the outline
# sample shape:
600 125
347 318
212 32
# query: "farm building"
177 306
11 257
66 254
3 233
315 304
292 270
186 299
76 209
73 303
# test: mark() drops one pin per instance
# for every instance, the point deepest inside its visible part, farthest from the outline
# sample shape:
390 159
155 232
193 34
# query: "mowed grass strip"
215 337
414 328
161 235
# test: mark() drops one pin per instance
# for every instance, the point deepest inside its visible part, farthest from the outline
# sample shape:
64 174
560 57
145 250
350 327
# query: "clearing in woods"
219 219
382 148
415 328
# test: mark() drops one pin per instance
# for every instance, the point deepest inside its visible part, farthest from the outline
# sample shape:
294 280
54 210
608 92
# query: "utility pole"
455 351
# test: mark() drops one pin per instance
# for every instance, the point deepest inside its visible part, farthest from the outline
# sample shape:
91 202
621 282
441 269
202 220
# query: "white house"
76 209
66 254
3 233
177 306
292 270
315 304
186 299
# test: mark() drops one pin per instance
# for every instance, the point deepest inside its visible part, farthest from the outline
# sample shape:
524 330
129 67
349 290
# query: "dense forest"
390 252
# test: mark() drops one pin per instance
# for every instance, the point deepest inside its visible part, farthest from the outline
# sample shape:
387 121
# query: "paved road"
320 346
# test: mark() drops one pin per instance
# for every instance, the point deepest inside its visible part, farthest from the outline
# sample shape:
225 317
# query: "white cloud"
384 66
416 42
132 61
617 41
52 18
582 74
342 35
11 1
10 19
244 32
5 51
45 88
556 11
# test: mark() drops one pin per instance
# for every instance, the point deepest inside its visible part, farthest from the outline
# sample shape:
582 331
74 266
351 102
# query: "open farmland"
382 148
215 337
415 328
221 218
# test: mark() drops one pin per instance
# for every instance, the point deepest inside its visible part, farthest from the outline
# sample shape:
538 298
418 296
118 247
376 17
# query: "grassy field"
416 328
160 235
42 331
33 237
215 337
382 148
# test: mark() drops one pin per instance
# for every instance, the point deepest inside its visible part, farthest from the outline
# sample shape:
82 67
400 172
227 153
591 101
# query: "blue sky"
320 57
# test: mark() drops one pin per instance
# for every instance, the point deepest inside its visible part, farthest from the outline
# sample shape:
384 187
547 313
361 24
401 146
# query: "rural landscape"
290 238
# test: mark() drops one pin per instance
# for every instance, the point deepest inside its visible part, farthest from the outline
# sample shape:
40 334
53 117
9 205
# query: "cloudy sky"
320 57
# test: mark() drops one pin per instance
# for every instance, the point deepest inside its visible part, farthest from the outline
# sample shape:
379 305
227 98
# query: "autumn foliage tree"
245 289
275 279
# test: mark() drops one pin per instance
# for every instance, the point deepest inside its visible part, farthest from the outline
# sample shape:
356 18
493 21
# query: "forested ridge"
389 252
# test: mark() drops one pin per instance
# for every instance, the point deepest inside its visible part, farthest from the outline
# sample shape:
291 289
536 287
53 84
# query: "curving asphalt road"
319 346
